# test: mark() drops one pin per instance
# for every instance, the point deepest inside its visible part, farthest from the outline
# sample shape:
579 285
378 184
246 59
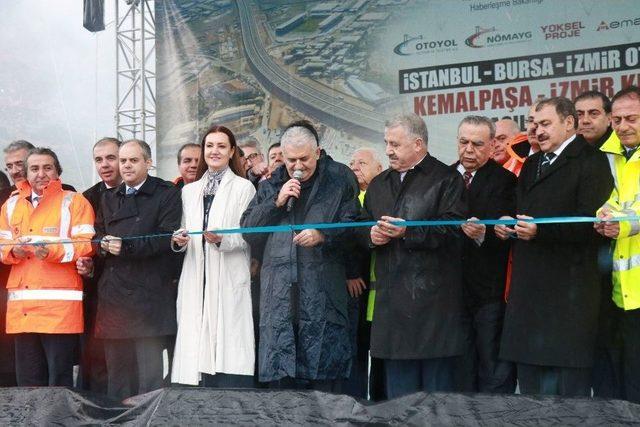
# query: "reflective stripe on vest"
45 294
65 224
612 166
626 264
82 229
11 206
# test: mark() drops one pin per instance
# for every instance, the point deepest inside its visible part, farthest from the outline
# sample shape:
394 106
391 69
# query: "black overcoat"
418 303
552 310
136 297
321 349
492 194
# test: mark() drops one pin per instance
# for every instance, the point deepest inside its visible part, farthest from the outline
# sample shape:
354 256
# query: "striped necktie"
545 162
629 153
467 176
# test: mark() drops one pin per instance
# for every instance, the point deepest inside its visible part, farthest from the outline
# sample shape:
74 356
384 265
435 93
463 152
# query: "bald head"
506 129
365 164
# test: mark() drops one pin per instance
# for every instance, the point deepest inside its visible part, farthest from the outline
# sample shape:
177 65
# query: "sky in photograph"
57 81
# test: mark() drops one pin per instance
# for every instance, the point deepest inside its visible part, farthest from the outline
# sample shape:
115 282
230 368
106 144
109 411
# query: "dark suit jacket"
552 311
94 195
418 305
492 194
136 297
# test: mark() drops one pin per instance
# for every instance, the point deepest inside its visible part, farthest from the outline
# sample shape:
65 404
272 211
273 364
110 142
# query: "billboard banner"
255 66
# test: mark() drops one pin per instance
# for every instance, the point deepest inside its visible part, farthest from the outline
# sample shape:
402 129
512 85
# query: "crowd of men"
551 307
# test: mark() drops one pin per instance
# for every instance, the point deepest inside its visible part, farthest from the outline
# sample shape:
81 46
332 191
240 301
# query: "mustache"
543 137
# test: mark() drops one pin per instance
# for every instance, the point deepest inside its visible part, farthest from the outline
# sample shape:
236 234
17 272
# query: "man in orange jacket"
44 308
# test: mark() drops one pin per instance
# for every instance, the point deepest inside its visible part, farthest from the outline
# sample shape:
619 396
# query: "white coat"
215 325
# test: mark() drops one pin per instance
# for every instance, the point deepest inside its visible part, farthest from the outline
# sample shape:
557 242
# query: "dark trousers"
607 381
409 376
377 388
630 332
554 380
134 365
7 356
479 369
606 375
93 367
359 331
227 381
45 359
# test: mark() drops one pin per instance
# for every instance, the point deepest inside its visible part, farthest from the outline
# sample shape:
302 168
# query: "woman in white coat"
215 341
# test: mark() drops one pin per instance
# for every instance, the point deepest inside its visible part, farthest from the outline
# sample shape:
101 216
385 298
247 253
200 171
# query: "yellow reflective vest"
625 201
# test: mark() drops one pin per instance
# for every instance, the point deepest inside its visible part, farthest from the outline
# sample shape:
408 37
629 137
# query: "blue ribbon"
338 225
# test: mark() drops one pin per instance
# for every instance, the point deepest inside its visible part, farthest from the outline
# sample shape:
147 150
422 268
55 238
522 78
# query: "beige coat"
215 325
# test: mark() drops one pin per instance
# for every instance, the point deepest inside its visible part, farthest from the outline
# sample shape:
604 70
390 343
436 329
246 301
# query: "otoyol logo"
419 44
487 37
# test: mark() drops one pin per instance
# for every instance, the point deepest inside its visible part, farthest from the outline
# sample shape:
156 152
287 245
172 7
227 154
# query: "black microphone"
292 200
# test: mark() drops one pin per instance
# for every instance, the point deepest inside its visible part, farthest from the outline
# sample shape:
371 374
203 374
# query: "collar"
137 187
403 174
420 166
604 137
416 165
564 145
612 145
147 186
33 197
462 170
25 190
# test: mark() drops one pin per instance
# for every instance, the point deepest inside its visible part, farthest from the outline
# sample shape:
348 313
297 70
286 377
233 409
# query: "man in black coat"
552 312
417 320
490 194
304 336
594 124
136 298
93 370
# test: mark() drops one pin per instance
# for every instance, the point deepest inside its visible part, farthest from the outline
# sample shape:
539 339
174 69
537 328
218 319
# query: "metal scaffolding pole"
135 70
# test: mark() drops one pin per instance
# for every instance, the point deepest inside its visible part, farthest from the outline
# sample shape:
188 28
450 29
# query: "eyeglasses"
251 157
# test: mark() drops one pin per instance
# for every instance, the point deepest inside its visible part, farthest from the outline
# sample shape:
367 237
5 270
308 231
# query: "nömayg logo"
487 37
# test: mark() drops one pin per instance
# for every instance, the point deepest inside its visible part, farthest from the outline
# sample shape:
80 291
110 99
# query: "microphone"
292 200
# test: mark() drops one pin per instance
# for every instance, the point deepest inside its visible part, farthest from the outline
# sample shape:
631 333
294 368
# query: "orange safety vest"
45 296
513 165
515 162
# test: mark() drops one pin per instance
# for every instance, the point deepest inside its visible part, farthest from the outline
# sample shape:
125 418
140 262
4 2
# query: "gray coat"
314 276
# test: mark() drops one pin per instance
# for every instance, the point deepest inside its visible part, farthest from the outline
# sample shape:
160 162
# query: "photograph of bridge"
257 65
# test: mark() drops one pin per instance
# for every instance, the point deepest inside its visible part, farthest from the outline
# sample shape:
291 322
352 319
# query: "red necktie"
467 178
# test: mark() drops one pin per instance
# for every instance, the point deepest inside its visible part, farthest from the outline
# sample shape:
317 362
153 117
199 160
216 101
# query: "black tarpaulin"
198 406
93 16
